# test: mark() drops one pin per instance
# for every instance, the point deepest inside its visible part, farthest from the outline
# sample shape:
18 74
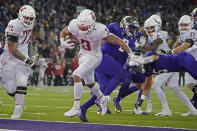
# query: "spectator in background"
42 67
42 32
59 70
49 72
35 76
65 72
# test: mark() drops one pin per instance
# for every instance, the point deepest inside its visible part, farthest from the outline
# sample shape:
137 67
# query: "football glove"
30 63
165 52
67 43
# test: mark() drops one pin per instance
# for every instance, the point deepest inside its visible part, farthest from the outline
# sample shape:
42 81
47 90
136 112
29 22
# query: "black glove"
165 52
30 63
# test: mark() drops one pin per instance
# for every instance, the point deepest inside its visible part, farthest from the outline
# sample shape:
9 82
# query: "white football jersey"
162 35
191 34
42 64
91 43
16 28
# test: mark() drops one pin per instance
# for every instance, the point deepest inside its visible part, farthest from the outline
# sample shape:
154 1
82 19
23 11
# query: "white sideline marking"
4 114
9 130
35 113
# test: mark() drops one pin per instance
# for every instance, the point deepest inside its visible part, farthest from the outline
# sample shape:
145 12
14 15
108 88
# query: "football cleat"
100 111
1 103
164 113
18 111
83 115
117 105
72 112
103 103
138 111
190 113
149 107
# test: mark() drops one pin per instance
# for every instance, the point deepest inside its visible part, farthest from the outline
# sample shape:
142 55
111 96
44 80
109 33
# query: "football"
71 39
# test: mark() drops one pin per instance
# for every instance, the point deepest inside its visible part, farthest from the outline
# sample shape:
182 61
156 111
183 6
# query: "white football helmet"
86 21
27 15
151 26
185 23
157 18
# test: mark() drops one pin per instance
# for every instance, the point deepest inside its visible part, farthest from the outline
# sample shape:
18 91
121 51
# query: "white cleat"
190 113
72 112
149 107
18 111
103 103
164 113
138 111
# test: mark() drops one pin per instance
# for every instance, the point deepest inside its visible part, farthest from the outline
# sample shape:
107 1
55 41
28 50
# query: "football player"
190 81
15 59
185 51
155 43
89 34
109 77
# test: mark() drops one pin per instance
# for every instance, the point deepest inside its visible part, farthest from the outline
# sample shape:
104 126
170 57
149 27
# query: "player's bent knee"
76 78
21 90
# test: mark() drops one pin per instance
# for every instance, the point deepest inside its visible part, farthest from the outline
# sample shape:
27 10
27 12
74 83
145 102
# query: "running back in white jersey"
162 35
16 28
89 43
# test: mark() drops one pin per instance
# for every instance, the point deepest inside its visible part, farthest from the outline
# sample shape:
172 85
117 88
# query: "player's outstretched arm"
187 44
117 41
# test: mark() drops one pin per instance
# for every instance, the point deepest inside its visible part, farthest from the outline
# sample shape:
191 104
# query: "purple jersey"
115 51
195 26
182 61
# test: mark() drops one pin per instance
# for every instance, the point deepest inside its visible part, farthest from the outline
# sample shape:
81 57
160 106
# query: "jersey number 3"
86 44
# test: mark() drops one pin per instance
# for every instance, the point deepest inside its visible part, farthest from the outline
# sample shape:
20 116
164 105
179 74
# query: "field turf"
50 103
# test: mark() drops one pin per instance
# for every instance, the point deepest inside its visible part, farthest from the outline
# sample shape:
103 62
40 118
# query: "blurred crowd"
55 64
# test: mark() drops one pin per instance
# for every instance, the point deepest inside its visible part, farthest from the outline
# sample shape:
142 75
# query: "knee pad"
12 95
21 90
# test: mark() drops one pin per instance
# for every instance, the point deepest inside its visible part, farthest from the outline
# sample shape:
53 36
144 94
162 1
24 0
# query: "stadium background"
52 16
